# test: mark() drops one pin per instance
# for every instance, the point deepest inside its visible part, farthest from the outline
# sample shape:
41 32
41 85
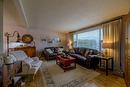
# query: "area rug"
54 76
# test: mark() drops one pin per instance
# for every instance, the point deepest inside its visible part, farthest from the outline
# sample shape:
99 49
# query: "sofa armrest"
35 66
35 58
26 66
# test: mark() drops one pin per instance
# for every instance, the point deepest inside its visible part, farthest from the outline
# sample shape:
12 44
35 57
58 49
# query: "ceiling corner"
20 8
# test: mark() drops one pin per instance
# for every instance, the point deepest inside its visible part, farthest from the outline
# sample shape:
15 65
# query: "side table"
107 59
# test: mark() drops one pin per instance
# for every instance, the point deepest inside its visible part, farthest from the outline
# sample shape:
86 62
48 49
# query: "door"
127 76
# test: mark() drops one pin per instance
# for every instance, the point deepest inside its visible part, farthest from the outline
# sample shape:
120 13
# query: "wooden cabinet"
29 50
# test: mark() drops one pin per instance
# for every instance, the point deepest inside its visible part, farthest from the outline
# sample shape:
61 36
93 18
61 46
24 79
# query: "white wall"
39 34
11 21
1 26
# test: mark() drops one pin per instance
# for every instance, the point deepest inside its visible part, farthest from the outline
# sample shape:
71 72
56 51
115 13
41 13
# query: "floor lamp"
8 37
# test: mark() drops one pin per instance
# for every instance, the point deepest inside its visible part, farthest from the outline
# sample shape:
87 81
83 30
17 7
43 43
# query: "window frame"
75 45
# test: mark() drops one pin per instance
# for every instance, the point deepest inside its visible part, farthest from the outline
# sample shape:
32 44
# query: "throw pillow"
86 53
20 55
90 52
72 51
60 50
76 50
49 51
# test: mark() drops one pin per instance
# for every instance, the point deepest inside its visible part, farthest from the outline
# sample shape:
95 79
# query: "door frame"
126 51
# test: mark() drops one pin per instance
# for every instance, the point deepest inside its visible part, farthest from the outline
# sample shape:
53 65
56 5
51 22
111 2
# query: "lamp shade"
107 45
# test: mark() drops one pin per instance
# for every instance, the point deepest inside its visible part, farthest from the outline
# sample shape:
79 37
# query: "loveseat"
83 58
50 53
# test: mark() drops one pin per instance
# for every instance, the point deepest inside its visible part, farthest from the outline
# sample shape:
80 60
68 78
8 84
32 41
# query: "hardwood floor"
100 81
106 81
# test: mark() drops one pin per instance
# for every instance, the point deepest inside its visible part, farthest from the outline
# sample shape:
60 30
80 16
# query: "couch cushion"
20 55
76 50
60 50
35 63
95 52
82 51
86 53
90 52
49 51
28 60
78 56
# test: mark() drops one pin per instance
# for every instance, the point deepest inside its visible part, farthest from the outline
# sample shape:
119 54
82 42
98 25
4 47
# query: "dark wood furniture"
67 62
107 60
16 67
29 50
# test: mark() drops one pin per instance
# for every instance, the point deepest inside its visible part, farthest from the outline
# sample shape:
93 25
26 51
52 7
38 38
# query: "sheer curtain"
112 34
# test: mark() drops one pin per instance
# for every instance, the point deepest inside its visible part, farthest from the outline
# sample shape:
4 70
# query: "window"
88 39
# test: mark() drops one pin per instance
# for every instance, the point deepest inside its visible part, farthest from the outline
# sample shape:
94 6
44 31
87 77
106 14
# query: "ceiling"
71 15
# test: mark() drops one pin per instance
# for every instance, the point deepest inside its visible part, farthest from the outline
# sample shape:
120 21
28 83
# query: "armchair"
52 52
29 65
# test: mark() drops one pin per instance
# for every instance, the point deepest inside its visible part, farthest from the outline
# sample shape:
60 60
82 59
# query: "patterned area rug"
54 76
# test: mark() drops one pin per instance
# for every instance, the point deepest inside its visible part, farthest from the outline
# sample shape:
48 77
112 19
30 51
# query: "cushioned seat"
29 65
79 57
51 52
83 58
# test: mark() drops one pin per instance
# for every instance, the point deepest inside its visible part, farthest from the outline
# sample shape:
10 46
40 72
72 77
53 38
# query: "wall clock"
27 38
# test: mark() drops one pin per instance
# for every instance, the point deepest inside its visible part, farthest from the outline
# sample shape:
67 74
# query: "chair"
49 53
29 65
52 52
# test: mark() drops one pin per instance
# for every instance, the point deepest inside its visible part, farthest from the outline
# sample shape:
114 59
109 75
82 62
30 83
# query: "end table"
107 59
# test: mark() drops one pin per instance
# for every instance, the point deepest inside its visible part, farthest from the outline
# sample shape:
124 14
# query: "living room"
60 43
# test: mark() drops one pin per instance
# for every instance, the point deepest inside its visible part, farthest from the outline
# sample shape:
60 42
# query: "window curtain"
112 34
69 41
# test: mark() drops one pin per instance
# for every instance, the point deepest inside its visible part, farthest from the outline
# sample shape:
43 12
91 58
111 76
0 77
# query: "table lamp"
107 46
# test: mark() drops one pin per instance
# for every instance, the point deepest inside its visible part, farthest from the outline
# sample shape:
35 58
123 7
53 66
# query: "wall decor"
53 40
27 38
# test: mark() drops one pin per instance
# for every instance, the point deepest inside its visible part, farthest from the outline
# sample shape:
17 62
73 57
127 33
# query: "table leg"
75 64
56 61
112 64
100 62
106 67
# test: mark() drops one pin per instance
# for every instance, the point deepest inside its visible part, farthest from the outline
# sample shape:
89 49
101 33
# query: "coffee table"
66 63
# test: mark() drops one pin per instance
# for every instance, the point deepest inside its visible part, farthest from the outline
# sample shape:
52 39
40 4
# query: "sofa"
83 58
30 66
50 53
